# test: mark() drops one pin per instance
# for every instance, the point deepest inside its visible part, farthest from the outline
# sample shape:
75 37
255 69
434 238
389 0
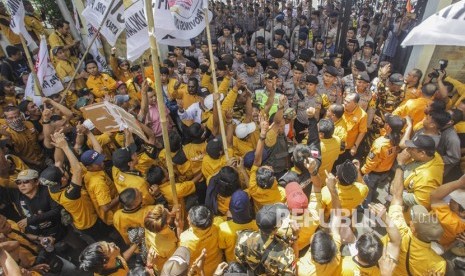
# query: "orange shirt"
356 122
414 108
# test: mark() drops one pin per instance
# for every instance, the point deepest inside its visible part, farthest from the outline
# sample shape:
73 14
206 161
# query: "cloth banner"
114 25
46 73
17 24
29 93
442 28
96 49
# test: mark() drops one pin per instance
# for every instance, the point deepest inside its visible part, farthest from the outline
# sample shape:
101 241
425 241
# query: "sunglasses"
19 182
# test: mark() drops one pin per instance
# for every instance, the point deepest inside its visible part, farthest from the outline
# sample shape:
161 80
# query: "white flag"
29 93
189 17
96 49
114 25
77 23
46 73
17 12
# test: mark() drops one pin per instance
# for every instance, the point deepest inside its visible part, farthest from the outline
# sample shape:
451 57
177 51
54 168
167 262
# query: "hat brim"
99 159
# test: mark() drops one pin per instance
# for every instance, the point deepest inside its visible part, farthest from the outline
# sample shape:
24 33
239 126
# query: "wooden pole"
160 100
37 88
107 12
215 86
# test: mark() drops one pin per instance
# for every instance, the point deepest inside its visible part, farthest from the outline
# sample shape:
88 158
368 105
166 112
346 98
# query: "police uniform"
333 93
285 66
349 83
254 82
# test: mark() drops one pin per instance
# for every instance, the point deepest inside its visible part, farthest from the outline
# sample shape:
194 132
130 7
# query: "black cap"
134 68
395 122
51 176
307 52
334 14
363 76
122 156
191 64
280 32
250 62
164 71
305 57
396 79
303 17
251 53
282 43
266 218
332 71
346 172
360 65
311 79
270 75
221 65
303 36
214 148
260 39
369 44
275 53
298 67
239 49
423 142
318 39
272 65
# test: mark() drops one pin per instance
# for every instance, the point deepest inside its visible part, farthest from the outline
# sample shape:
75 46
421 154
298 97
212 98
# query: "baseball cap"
90 157
56 49
427 226
331 70
208 101
51 176
239 49
251 53
239 206
178 263
346 172
244 129
395 122
296 198
122 156
423 142
280 32
134 68
266 218
215 147
250 156
363 76
119 83
397 79
458 196
27 175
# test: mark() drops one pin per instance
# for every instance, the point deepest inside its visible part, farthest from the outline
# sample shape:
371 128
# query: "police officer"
284 65
282 46
367 56
349 80
305 100
366 102
263 252
252 54
238 61
252 78
260 48
293 86
327 85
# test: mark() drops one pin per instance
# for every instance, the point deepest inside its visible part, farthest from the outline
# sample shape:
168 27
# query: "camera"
442 66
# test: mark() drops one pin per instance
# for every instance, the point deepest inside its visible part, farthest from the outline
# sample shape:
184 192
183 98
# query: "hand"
59 140
282 100
41 268
113 50
232 162
51 239
462 182
152 257
46 114
197 265
4 131
385 70
264 125
22 223
331 181
144 86
229 114
310 164
311 112
216 97
45 100
378 210
154 190
353 150
220 269
461 237
403 157
387 264
81 129
442 75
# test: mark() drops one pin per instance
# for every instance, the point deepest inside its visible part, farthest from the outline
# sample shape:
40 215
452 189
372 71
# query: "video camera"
442 66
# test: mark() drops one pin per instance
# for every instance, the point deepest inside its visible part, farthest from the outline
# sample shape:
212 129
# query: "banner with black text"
114 24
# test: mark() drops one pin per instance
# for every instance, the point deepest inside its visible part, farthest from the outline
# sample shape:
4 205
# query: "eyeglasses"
20 182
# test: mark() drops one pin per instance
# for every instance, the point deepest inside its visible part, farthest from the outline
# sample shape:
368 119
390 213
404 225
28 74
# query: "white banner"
442 28
29 93
46 73
114 25
171 28
17 12
96 49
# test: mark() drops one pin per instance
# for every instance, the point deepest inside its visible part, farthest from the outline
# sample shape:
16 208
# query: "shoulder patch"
371 155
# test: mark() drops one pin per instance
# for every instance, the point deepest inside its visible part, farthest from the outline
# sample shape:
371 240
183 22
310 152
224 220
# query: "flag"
77 22
29 93
189 17
17 12
114 24
46 73
96 49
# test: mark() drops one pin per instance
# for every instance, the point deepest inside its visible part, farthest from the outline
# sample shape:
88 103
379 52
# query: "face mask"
16 124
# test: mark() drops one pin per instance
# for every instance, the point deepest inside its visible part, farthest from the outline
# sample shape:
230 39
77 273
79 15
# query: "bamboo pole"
215 86
160 100
37 88
107 12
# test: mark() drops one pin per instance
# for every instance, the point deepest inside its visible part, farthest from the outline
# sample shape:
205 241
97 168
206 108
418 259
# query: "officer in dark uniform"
284 65
252 78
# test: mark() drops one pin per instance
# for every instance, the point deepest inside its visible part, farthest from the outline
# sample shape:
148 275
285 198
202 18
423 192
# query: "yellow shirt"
144 162
411 93
182 190
350 267
26 143
381 157
33 24
134 89
196 239
101 85
122 75
422 258
414 108
125 180
57 39
19 166
460 129
8 32
65 68
356 122
241 147
340 130
227 236
123 220
330 150
81 210
350 196
450 221
164 242
212 166
261 196
307 267
101 191
425 179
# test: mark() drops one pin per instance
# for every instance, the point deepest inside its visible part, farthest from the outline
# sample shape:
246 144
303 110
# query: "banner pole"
215 86
107 12
37 88
160 100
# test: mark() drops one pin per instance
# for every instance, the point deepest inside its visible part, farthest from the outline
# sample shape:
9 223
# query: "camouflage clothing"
264 255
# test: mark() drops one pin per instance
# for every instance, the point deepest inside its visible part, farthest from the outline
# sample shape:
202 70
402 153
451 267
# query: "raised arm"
59 141
264 126
407 133
144 103
393 246
61 108
444 190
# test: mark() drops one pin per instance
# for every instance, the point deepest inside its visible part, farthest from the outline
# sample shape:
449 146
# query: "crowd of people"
317 136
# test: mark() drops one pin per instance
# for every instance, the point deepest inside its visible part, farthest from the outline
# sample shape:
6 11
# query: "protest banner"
95 11
46 73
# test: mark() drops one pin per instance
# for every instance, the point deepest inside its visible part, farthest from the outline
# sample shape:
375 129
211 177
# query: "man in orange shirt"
415 108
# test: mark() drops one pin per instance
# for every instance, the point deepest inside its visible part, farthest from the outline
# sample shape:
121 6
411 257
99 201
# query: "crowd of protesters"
319 132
